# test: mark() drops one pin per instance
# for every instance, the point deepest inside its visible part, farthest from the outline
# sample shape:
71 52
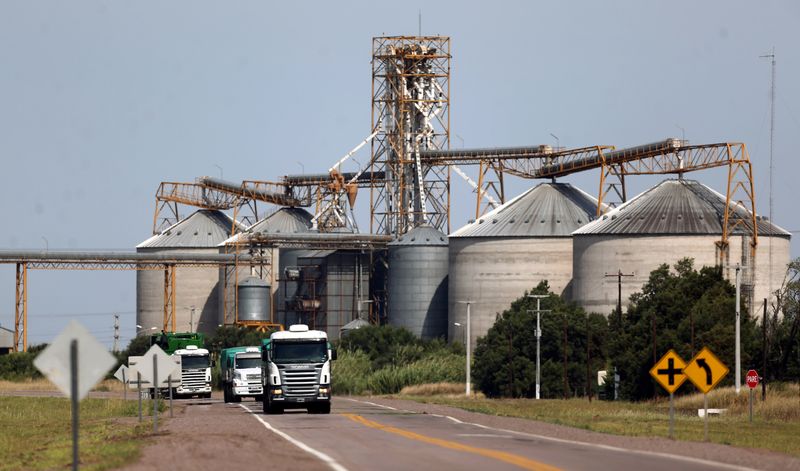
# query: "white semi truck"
240 368
296 371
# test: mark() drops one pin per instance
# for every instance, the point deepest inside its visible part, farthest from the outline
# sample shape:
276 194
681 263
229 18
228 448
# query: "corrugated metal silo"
286 220
254 300
195 288
495 259
417 291
673 220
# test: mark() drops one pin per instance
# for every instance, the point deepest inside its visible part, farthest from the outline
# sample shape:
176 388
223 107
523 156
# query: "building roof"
203 228
421 236
546 210
674 207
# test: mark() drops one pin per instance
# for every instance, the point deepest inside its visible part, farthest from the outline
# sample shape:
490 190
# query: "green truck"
196 364
240 369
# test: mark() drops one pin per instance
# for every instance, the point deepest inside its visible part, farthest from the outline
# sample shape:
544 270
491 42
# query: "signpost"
153 362
75 361
668 372
705 371
752 382
122 375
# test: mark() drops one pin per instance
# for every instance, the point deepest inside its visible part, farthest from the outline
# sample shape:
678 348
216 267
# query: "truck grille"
254 382
300 381
193 378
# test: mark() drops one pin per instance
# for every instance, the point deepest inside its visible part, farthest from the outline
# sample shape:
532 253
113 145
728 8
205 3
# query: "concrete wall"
493 272
598 255
193 287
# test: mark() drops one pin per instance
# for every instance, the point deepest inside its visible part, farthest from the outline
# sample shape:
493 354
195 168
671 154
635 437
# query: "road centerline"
516 460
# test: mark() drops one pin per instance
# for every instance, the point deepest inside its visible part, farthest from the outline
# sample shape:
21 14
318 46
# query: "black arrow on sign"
701 362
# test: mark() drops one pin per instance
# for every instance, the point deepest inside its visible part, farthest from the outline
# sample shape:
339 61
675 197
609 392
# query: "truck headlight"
277 392
323 390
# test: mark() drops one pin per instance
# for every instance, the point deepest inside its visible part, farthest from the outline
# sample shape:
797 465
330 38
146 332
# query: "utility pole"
191 320
538 339
588 358
469 347
619 276
116 333
566 381
738 369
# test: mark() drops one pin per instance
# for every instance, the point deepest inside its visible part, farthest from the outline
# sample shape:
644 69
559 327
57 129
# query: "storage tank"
254 300
498 257
673 220
417 288
285 220
196 289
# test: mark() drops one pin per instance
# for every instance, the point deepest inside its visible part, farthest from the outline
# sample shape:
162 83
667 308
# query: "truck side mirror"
213 363
333 354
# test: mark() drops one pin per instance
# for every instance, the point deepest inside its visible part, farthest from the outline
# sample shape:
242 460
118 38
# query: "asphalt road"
361 435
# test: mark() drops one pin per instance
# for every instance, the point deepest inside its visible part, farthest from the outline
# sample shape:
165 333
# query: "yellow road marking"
511 458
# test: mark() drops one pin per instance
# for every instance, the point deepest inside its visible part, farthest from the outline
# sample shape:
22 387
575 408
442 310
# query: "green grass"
776 431
37 434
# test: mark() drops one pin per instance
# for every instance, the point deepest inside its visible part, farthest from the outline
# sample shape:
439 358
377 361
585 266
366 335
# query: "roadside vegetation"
42 439
777 418
384 360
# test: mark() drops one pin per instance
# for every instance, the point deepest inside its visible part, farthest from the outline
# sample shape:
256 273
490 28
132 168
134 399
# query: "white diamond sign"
94 360
166 366
122 374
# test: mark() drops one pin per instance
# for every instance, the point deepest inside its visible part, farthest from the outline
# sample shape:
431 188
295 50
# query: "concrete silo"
196 289
417 291
673 220
495 259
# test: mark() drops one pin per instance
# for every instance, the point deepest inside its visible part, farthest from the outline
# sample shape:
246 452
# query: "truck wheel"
225 394
320 408
237 398
270 408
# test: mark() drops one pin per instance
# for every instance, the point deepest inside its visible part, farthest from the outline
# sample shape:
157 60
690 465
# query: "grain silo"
496 258
418 265
673 220
196 290
286 220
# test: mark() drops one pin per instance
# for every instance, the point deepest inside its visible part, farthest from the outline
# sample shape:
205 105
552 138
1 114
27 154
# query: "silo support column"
169 298
21 309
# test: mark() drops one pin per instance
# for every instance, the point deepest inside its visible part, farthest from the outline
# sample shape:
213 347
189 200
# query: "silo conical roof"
421 236
203 228
546 210
674 207
284 221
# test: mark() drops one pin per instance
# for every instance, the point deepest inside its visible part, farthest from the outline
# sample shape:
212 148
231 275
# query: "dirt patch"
211 434
752 458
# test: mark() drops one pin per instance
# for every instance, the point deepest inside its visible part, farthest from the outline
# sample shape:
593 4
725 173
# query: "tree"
686 309
505 359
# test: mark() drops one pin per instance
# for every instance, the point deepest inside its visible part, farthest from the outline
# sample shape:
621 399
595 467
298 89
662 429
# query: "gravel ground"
205 435
745 457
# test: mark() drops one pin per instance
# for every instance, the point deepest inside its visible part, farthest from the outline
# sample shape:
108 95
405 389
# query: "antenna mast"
771 148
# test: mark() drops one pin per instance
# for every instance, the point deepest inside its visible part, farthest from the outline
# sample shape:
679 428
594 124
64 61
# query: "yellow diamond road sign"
668 371
705 370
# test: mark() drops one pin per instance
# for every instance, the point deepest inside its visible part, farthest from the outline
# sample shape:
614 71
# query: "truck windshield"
192 362
299 352
248 363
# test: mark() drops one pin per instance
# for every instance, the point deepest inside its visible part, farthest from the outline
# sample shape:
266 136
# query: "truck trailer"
296 371
240 369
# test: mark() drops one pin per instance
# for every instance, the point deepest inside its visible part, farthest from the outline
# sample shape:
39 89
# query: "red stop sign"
752 378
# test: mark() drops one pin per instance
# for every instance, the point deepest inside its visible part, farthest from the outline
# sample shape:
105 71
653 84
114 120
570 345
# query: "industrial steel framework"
117 261
410 114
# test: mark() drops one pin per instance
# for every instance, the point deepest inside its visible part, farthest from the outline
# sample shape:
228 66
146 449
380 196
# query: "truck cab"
195 372
241 373
296 370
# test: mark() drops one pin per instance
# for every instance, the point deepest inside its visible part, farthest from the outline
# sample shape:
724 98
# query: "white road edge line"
322 456
606 447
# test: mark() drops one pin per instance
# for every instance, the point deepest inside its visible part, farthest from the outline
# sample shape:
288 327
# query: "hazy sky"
100 101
